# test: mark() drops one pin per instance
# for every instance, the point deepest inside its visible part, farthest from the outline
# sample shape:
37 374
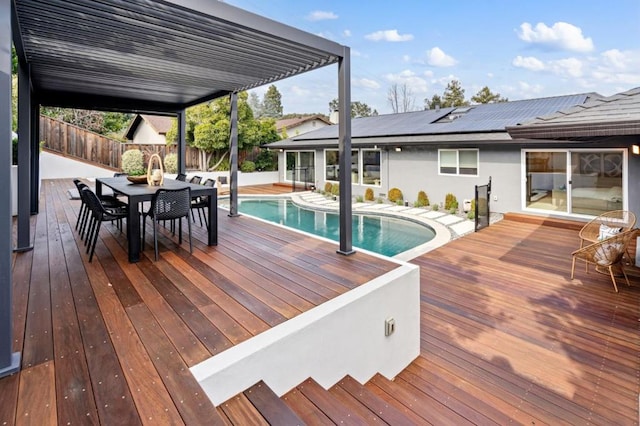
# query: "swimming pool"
379 234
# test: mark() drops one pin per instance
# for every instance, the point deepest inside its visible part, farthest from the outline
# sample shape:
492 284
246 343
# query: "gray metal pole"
233 156
35 156
344 152
24 158
182 141
9 360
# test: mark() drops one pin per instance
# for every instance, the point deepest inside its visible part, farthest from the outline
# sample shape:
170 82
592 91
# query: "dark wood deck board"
506 336
133 330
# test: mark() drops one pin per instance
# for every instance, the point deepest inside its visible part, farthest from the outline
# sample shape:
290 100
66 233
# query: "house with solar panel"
451 150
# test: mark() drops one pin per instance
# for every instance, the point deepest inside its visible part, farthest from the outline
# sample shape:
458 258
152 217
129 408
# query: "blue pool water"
384 235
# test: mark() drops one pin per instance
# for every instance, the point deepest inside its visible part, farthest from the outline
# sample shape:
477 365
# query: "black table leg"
133 230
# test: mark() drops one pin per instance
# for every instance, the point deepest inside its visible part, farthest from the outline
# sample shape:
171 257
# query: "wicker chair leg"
613 278
573 266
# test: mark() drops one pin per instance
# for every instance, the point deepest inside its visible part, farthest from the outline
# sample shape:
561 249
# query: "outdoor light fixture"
398 149
635 149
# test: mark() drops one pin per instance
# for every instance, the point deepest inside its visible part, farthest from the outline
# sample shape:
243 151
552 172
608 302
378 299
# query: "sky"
521 49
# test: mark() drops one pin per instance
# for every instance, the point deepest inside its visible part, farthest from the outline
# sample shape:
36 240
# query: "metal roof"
616 115
156 55
484 122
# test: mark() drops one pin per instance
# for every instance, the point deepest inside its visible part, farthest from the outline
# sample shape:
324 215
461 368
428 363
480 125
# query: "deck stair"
347 402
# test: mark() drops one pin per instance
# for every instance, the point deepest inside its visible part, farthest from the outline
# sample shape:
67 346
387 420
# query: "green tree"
256 104
453 95
272 103
434 103
208 128
358 109
485 96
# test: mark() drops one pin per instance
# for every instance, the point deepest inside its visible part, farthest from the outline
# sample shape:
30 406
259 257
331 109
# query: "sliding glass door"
584 182
596 182
546 177
300 166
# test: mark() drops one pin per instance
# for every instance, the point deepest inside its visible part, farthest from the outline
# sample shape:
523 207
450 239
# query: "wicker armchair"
621 220
605 254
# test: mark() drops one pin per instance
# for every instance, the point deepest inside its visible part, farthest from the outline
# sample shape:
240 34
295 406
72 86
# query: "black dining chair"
110 203
97 214
168 204
181 177
195 179
201 203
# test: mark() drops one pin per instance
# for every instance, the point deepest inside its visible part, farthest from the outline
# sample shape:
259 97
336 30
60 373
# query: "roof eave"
574 130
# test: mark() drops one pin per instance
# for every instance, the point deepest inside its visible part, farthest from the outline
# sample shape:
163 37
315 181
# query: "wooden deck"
507 337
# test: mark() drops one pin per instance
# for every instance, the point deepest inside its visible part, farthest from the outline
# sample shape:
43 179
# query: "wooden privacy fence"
74 142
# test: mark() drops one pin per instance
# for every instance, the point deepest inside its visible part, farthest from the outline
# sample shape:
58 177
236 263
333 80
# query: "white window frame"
324 168
457 151
361 157
297 152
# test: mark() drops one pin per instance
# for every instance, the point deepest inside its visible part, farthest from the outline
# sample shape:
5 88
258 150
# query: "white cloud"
388 35
569 67
490 75
527 90
618 67
406 58
366 83
529 62
616 59
560 36
428 74
299 91
437 58
320 15
347 33
416 83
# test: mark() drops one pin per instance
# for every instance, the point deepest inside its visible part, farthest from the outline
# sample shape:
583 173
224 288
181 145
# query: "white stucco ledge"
343 336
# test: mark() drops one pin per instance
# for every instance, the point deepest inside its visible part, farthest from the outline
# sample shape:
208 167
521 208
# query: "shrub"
327 187
171 163
368 194
423 200
394 195
450 202
248 166
335 189
399 202
359 199
435 207
267 160
14 151
133 162
472 211
379 200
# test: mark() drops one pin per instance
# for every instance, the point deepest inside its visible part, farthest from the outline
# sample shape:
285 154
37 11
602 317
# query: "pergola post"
233 156
24 158
344 152
35 155
182 141
9 360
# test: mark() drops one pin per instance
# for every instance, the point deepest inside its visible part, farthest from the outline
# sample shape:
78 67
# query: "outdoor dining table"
137 193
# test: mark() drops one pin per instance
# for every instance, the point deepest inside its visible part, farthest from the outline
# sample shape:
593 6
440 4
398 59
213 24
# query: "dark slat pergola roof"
156 55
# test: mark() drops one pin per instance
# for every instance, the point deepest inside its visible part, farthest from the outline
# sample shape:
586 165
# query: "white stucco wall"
146 134
343 336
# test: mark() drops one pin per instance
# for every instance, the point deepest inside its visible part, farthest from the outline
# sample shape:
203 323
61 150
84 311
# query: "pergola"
153 56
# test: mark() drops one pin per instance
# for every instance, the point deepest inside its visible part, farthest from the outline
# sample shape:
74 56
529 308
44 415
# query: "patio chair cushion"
607 231
606 254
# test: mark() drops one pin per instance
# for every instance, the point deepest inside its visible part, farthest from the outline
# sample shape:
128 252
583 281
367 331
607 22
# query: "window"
458 162
371 167
300 166
332 166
